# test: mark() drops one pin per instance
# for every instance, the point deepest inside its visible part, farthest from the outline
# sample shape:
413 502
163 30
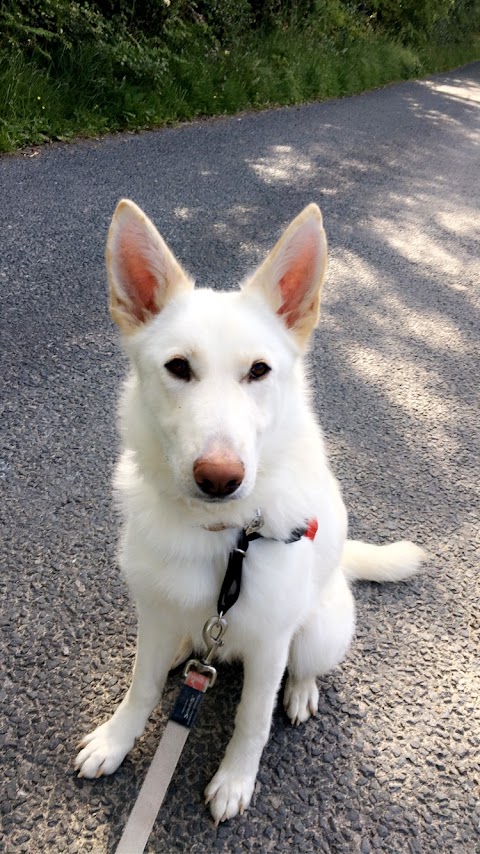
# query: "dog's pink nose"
219 473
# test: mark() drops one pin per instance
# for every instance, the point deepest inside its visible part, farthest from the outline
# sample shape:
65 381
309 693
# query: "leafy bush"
44 25
418 21
70 67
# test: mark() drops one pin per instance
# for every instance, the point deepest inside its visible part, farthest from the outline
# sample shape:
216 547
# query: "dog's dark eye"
180 368
258 370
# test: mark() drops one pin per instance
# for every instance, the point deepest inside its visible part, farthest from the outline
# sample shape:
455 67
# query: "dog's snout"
218 473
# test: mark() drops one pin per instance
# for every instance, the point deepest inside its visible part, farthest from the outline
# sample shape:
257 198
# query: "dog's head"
218 375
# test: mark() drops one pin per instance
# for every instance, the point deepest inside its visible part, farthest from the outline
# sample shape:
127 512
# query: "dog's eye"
180 368
258 370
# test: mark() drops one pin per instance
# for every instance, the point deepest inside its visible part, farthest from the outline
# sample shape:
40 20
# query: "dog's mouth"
218 513
217 499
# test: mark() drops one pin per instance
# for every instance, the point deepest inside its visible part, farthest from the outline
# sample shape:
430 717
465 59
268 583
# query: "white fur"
394 562
295 608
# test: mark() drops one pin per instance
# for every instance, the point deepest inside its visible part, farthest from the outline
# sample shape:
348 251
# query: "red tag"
312 528
197 680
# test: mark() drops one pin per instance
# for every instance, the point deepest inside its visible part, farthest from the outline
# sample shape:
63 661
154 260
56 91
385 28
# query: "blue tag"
186 706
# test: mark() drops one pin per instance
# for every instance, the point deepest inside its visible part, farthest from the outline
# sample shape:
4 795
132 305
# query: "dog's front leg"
105 748
231 788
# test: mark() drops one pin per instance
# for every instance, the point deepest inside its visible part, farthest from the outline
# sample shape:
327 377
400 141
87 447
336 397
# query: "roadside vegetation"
77 68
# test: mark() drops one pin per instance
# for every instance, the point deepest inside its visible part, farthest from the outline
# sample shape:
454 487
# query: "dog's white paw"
103 750
300 699
229 793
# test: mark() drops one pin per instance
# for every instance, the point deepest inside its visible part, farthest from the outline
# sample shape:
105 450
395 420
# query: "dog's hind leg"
183 652
105 748
319 645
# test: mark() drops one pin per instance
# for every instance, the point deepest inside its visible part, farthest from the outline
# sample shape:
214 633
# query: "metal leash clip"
257 522
213 632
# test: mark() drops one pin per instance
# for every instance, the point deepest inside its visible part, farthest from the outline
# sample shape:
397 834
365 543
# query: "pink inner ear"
297 281
139 282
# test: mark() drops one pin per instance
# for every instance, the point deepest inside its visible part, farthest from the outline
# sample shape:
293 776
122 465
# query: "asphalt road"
391 764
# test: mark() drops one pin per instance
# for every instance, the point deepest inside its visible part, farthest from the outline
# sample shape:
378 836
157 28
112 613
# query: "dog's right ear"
142 272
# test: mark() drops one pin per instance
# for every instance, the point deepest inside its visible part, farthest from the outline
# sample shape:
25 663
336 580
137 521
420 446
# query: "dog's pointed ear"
143 274
291 277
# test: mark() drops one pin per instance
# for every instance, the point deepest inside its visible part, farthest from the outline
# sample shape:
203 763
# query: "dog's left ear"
291 277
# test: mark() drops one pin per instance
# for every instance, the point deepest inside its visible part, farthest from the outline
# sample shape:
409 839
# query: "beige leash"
151 795
200 675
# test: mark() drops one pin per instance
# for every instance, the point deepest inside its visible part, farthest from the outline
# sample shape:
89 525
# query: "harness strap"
232 581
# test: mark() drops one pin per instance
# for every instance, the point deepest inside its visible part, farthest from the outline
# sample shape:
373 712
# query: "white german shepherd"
217 423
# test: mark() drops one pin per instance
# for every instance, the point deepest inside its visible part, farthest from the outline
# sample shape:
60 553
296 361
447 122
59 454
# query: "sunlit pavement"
391 763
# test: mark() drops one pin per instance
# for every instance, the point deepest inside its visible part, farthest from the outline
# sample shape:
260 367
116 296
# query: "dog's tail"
393 562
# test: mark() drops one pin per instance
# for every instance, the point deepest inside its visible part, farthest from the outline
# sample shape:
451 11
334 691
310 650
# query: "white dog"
217 423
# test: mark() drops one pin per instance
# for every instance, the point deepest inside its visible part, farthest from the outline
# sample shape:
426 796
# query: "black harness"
232 581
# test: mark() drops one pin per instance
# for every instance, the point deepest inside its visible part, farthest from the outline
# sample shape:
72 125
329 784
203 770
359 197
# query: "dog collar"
218 527
232 581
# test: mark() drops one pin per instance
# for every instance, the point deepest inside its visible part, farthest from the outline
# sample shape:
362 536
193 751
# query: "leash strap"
232 581
152 793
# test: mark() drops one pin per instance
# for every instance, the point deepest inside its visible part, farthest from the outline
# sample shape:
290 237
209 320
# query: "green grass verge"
83 92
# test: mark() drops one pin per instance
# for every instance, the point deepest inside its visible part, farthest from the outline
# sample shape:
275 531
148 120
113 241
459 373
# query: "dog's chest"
275 590
274 596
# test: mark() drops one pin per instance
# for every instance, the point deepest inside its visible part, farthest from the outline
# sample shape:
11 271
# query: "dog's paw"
103 750
300 699
229 794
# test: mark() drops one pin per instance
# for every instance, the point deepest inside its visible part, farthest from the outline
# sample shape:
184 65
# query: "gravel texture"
391 764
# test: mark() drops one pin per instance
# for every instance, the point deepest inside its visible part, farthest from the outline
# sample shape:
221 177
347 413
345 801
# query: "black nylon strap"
186 706
230 589
296 535
232 582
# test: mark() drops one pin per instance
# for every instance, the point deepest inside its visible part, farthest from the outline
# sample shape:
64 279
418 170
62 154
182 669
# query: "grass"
91 88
